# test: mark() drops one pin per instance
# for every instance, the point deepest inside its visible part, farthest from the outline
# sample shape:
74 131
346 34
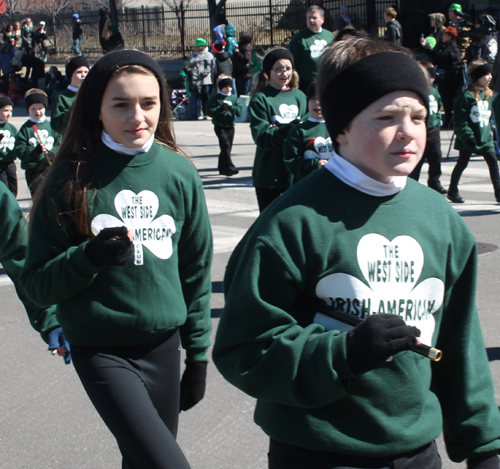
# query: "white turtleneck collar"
73 88
354 177
37 121
119 148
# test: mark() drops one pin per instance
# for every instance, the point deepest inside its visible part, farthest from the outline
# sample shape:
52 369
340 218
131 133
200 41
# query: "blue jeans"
197 102
76 46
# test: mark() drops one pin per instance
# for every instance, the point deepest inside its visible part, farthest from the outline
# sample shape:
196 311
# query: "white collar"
37 121
119 148
312 119
224 94
354 177
73 88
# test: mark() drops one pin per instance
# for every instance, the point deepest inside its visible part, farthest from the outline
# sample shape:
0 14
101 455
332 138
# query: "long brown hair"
77 151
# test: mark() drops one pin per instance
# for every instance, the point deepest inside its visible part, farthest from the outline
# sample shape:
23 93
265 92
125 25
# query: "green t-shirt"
224 118
434 119
27 141
61 110
8 142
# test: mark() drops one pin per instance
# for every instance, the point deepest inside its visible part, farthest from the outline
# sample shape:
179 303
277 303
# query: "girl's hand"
112 246
59 345
322 163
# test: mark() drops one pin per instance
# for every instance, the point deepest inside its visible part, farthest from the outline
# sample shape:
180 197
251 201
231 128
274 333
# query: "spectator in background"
344 20
307 45
8 33
222 65
17 33
243 65
77 34
27 37
6 55
393 31
40 36
232 43
437 24
199 68
104 32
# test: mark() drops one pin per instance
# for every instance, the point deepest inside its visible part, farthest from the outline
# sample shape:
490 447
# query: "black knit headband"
224 82
5 101
366 81
75 63
480 72
99 75
273 56
36 98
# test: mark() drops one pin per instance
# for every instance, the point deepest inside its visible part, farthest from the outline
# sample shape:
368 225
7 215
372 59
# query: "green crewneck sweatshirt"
14 236
408 254
268 109
224 118
471 118
27 141
306 46
7 144
164 286
61 110
307 144
434 119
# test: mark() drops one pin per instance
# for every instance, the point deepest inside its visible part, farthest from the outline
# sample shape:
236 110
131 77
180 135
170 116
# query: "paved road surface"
46 421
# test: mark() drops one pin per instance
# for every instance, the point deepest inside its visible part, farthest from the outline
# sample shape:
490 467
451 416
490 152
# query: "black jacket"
448 61
242 61
394 32
222 65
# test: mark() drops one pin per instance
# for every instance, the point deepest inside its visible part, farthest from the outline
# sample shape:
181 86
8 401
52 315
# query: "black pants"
463 161
34 178
135 390
433 156
266 196
284 456
448 91
8 175
226 137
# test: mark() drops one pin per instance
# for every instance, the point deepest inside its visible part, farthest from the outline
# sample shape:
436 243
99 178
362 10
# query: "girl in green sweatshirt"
121 242
276 105
472 113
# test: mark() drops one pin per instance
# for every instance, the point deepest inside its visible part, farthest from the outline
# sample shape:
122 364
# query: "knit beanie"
100 74
35 98
273 56
480 72
5 101
223 81
365 81
74 63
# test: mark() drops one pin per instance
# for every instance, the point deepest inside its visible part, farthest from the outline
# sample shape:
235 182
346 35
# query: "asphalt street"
47 421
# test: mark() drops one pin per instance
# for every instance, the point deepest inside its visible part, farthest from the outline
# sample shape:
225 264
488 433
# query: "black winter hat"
5 101
273 56
74 63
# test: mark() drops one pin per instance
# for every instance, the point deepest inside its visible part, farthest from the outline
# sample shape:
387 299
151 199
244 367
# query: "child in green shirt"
222 108
8 170
397 266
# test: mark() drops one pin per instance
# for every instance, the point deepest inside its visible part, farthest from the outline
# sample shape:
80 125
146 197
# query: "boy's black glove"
193 383
376 339
485 462
39 149
471 142
1 137
285 129
111 246
224 107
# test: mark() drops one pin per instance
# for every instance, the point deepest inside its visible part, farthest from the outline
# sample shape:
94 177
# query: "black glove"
193 383
248 66
485 462
285 129
471 142
1 137
56 340
224 107
39 149
376 339
111 246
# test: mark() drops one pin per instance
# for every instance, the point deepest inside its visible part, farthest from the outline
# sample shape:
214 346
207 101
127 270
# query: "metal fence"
157 30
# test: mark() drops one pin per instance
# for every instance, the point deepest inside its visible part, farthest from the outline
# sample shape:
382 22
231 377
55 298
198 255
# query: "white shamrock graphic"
480 113
392 270
317 48
323 149
46 140
433 105
288 113
7 142
138 212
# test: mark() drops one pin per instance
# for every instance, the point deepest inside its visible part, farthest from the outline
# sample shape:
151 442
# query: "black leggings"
266 196
135 390
463 161
284 456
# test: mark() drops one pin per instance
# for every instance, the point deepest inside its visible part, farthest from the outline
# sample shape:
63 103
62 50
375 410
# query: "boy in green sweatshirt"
338 281
8 170
36 141
222 108
76 71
